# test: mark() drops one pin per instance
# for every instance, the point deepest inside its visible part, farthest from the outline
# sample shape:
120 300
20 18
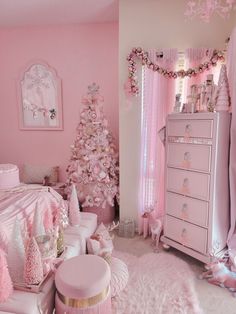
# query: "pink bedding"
21 202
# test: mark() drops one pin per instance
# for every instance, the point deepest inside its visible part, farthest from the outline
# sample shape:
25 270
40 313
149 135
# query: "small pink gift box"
83 286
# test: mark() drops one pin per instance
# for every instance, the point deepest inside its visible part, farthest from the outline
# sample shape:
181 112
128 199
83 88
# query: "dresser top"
198 115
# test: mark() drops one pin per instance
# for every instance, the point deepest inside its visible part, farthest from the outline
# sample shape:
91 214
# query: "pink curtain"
231 64
157 101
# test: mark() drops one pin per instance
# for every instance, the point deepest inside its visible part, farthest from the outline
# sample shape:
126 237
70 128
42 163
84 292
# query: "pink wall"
81 54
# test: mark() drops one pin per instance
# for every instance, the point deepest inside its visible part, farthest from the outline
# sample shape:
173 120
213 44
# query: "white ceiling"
15 13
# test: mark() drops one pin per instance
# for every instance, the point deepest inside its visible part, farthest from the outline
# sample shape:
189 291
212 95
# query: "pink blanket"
21 202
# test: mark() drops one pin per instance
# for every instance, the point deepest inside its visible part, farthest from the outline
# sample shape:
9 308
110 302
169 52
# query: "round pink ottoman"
83 286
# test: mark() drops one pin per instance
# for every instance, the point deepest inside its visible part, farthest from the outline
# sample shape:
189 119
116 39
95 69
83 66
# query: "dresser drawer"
190 128
186 208
185 233
189 156
188 183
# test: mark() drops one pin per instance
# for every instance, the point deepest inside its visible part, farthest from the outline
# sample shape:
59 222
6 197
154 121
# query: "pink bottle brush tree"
33 268
93 166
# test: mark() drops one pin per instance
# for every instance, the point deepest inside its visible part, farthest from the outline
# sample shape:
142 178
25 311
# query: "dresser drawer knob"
186 183
184 214
184 208
185 186
184 236
187 156
188 128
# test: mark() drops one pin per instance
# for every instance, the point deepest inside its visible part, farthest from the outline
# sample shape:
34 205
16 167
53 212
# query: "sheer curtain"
157 101
231 65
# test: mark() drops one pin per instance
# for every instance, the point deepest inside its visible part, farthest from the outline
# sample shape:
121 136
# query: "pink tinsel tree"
223 98
74 211
38 224
6 287
48 220
93 166
16 253
3 238
33 270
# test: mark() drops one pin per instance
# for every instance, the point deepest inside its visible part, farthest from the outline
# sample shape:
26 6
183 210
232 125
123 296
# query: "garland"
144 57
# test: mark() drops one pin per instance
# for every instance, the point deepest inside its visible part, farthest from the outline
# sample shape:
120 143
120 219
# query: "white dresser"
197 189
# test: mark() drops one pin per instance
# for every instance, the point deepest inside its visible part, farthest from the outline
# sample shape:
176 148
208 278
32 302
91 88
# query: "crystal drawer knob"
188 128
184 208
185 183
187 156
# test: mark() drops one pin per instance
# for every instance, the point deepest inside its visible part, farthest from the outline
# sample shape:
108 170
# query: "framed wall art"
40 98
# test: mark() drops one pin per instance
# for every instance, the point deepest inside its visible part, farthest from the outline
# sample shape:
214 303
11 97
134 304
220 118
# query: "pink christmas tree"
223 98
93 166
6 287
33 270
16 254
3 238
74 211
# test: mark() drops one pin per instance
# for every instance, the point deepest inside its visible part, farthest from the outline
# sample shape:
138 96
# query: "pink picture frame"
40 98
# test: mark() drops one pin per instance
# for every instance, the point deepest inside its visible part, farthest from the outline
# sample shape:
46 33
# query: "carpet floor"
212 299
158 284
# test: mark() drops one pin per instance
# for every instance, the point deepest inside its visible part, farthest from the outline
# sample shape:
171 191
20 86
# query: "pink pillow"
36 173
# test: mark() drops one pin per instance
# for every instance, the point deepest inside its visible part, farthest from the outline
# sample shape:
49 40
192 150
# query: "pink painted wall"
81 54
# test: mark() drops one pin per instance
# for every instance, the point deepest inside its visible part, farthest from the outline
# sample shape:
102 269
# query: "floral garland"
132 84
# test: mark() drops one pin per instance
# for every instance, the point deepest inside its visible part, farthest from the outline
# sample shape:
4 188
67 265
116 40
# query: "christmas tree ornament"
74 210
16 254
38 226
3 238
6 287
223 98
93 167
33 268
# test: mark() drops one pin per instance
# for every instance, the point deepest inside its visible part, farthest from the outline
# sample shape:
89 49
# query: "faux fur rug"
158 284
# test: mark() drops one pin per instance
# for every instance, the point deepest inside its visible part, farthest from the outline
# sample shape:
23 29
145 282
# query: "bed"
21 201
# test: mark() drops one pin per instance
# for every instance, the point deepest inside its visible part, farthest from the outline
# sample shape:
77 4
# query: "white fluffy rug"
158 284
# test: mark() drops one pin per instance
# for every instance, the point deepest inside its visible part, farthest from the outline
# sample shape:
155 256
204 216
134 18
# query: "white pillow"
36 174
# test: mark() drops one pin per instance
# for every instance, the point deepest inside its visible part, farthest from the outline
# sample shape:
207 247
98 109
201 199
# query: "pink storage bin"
83 286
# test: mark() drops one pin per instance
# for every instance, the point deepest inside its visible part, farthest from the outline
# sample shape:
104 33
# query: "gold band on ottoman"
84 303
